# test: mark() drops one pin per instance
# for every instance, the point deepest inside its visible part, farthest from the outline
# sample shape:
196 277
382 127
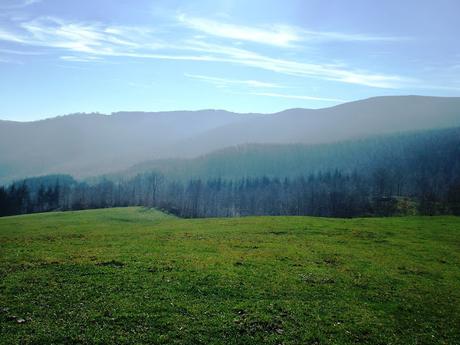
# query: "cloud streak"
300 97
19 4
276 35
20 52
223 82
93 41
73 58
300 69
281 36
81 37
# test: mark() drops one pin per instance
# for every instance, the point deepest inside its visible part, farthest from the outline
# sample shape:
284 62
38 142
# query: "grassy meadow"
138 276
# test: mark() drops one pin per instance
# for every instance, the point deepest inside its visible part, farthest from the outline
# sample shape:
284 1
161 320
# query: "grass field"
136 276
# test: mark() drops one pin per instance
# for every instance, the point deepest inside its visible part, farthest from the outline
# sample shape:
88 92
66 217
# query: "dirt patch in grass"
111 263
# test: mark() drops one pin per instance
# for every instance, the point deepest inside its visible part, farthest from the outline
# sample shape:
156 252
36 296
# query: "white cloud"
223 82
31 2
301 97
20 52
276 35
280 35
19 4
347 37
301 69
80 59
91 40
81 37
10 36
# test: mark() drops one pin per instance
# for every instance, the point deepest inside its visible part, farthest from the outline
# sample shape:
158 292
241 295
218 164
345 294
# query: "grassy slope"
140 276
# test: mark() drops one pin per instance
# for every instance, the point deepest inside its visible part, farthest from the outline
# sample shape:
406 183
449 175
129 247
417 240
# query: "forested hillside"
404 152
411 173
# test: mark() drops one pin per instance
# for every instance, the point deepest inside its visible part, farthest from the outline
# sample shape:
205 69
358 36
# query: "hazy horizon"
92 144
127 111
96 56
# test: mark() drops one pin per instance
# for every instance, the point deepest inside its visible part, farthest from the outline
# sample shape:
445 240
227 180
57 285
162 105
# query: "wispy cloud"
300 69
83 42
31 2
10 36
81 59
280 35
20 52
88 38
348 37
91 38
223 82
301 97
18 4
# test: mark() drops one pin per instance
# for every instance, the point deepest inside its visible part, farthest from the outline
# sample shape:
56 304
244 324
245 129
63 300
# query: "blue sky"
62 56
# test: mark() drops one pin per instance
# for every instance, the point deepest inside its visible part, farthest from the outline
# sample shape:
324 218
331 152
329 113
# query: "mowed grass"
137 276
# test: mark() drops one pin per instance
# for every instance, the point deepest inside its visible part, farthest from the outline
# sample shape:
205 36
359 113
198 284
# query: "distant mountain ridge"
90 144
400 151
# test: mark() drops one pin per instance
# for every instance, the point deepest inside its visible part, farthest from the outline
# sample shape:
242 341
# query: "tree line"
331 194
411 173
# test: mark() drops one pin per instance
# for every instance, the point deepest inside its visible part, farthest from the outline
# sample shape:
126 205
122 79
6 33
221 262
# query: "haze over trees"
85 145
395 174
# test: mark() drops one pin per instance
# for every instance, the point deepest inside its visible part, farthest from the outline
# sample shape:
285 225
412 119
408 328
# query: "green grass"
136 276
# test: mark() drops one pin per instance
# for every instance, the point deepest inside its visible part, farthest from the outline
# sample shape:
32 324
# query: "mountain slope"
90 144
372 116
86 144
407 152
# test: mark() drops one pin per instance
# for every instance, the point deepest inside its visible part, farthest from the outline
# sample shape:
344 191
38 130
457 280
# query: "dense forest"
412 173
408 153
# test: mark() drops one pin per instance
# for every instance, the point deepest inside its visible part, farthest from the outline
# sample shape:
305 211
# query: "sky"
61 56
